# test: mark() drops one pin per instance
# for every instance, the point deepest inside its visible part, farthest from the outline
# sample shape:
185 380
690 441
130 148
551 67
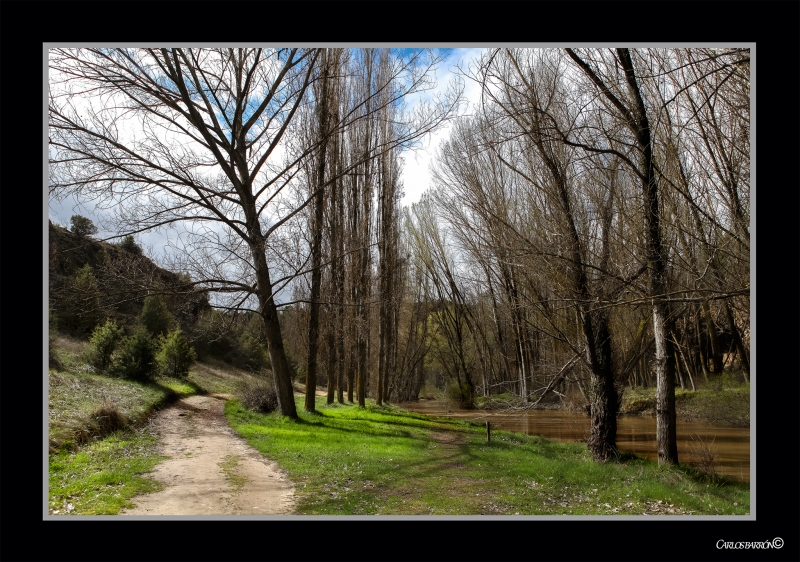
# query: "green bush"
176 356
461 395
129 245
254 353
155 316
82 226
136 358
102 344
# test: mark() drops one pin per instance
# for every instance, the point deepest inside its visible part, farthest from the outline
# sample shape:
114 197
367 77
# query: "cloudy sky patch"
416 174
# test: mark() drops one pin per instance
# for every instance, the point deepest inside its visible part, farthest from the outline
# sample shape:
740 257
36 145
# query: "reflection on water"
635 434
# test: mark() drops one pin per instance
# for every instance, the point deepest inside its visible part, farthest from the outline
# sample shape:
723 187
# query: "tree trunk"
316 243
737 340
666 435
716 350
272 330
701 352
604 396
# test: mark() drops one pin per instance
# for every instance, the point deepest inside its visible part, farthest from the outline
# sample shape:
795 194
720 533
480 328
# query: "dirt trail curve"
211 471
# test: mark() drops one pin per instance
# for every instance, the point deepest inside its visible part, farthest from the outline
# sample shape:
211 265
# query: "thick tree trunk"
666 435
666 431
313 321
604 396
604 399
332 366
351 376
333 327
272 330
383 292
363 306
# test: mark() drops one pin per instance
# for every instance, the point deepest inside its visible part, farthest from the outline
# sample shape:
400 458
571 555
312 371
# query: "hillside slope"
119 278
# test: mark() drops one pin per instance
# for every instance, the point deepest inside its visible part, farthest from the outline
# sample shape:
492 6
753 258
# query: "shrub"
107 419
102 343
82 226
704 454
155 316
136 358
462 396
259 396
176 356
53 360
129 245
254 353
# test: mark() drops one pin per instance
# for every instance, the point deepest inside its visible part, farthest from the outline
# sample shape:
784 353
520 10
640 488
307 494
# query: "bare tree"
451 312
324 103
208 140
625 99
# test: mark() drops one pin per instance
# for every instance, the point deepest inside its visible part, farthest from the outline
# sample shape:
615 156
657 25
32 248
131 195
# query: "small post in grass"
488 432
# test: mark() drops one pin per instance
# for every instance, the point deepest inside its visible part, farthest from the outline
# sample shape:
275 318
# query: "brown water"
635 434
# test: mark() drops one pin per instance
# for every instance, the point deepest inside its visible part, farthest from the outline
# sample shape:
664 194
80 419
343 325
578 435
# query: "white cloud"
416 174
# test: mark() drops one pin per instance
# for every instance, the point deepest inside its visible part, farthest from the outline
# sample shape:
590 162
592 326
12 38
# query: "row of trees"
594 196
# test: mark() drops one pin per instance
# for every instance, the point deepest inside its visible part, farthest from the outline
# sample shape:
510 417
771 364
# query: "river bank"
715 449
724 400
385 460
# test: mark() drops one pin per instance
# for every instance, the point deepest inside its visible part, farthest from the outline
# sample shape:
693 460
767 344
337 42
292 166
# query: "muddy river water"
635 434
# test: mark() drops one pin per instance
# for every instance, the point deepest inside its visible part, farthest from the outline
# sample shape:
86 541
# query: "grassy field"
384 460
99 478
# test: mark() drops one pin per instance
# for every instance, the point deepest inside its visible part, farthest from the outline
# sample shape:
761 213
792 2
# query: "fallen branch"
557 378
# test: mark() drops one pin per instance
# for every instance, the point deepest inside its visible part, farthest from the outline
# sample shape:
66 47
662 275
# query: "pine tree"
176 355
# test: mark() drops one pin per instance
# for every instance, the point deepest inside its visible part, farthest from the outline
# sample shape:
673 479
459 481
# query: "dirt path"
211 471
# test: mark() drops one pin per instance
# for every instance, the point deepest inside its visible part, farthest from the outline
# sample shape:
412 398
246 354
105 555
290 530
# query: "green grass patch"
78 404
101 477
228 466
383 460
217 377
180 387
99 446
